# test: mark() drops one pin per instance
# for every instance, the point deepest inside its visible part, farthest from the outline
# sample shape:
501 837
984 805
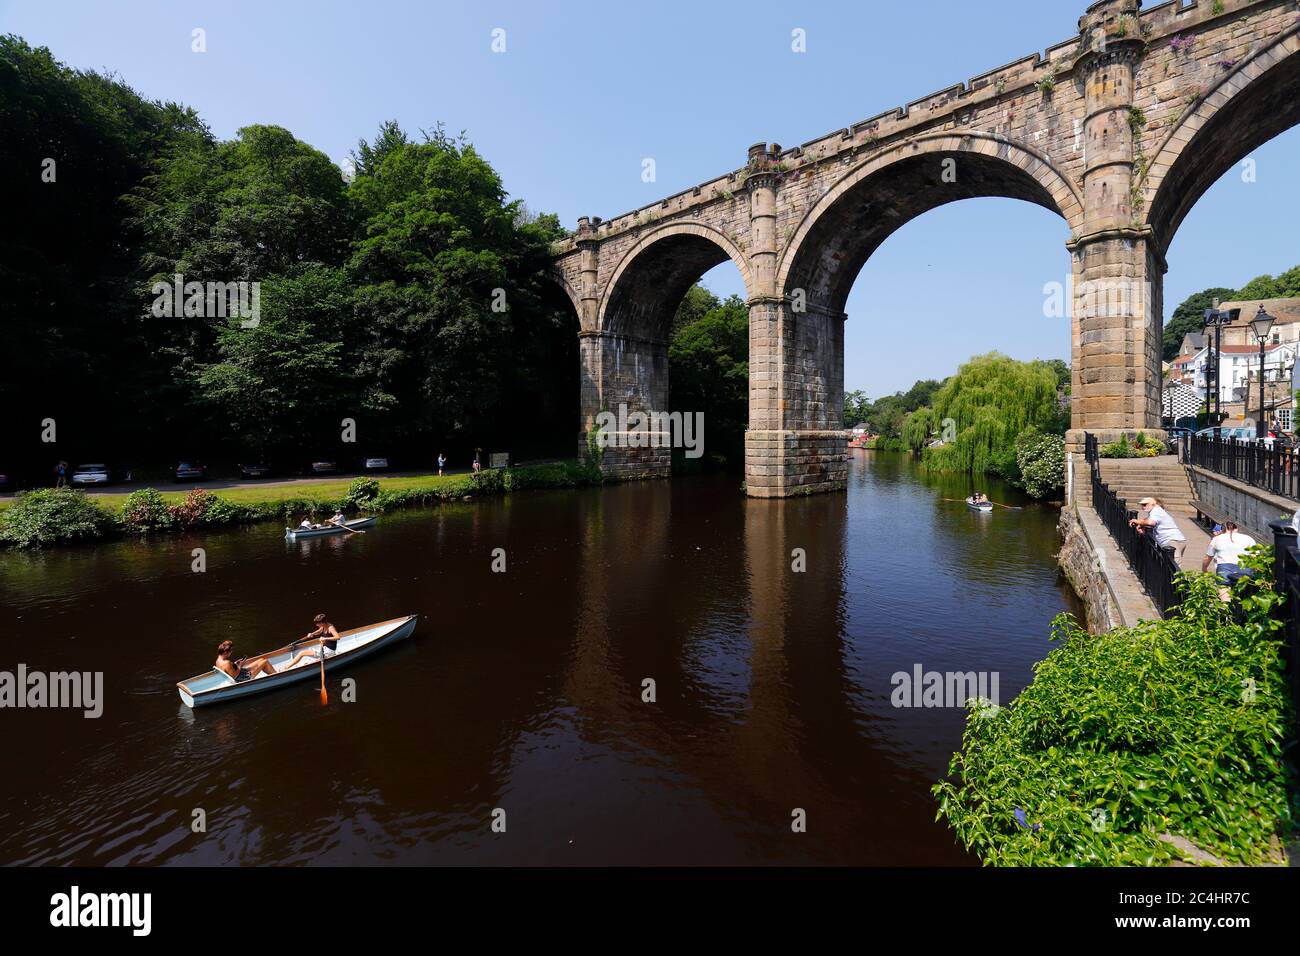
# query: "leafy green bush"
489 482
54 516
221 511
566 474
361 493
1041 461
146 511
1170 727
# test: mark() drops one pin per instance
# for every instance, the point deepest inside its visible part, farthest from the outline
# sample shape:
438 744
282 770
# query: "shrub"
489 482
193 511
1041 460
1170 727
222 512
54 516
361 493
146 511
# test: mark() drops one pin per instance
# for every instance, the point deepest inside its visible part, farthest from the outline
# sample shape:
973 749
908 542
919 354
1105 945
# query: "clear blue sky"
586 90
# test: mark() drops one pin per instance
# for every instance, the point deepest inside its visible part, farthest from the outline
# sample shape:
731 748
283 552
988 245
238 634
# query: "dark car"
254 469
190 471
5 480
1176 436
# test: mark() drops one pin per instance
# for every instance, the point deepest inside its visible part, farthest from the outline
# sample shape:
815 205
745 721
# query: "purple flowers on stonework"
1181 43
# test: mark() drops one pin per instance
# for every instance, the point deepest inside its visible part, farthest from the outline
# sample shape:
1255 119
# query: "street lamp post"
1216 319
1262 324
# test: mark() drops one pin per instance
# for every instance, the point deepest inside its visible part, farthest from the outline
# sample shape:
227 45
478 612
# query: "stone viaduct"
1119 130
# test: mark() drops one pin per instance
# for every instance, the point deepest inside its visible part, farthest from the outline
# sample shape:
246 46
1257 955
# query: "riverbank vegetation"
1125 741
996 416
67 516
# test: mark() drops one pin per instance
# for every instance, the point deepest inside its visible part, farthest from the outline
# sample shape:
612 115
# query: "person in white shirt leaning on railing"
1163 526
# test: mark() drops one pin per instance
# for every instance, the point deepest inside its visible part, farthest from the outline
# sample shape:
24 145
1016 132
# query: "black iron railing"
1154 567
1270 467
1287 567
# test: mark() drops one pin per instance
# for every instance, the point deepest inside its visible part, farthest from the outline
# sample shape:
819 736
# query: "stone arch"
839 233
653 277
561 282
1256 101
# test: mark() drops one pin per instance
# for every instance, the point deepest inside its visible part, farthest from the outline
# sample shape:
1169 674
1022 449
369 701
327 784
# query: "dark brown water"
523 690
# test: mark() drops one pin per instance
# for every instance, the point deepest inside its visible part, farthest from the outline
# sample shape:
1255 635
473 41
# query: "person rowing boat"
326 635
240 670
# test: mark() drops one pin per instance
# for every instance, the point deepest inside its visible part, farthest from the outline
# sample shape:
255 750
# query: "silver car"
91 475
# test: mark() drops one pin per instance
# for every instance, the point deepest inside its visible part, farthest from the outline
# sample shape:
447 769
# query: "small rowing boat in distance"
983 507
328 529
215 687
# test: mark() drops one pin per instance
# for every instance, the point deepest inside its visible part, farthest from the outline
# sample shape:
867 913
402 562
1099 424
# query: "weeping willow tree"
981 411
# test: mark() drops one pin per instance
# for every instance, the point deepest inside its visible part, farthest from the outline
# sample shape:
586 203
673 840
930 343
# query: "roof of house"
1253 349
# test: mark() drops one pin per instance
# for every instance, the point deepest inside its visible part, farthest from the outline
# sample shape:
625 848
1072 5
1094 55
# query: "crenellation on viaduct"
1118 130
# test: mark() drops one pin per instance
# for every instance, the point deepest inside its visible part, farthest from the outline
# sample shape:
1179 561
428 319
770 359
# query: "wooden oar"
1008 507
324 697
339 524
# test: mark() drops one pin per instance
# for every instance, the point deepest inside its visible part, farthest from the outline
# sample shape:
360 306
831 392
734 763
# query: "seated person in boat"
240 670
326 634
978 498
338 518
306 525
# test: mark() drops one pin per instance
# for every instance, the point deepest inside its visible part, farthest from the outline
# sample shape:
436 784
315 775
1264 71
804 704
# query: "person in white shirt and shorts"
1163 527
1225 551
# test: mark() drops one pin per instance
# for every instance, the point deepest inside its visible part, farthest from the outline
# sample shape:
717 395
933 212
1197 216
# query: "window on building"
1284 418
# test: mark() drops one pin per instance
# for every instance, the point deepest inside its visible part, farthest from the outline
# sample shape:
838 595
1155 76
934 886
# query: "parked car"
1236 432
5 480
255 469
376 463
323 466
1175 439
93 474
190 471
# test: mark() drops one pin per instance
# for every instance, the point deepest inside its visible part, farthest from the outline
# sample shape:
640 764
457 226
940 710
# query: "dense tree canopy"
408 294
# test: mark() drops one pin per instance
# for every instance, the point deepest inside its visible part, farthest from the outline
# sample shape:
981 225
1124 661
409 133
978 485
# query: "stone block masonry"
1118 129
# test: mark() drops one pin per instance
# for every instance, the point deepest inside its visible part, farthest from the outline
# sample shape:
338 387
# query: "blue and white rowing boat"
215 687
983 507
329 528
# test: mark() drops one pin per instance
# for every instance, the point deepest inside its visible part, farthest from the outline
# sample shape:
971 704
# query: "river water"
522 692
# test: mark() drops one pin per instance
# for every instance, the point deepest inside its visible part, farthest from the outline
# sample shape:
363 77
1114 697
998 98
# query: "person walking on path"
1163 527
60 474
442 463
478 465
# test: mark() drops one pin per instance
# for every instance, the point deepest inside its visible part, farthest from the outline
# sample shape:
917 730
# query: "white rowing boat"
328 529
214 686
983 507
